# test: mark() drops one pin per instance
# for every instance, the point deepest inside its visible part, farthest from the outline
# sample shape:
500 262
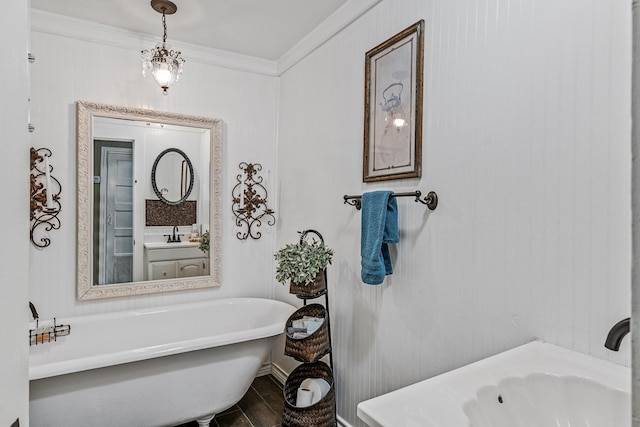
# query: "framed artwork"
393 107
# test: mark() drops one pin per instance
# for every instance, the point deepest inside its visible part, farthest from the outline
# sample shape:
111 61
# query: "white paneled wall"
68 70
527 142
635 188
14 171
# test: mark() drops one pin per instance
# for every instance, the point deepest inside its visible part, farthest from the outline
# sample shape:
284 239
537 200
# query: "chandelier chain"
164 24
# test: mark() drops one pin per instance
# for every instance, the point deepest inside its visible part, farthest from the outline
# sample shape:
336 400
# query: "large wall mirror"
149 188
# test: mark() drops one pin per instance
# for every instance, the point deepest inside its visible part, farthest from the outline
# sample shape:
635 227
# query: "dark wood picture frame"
393 107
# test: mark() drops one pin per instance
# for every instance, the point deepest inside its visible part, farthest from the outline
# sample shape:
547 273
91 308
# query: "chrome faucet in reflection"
616 334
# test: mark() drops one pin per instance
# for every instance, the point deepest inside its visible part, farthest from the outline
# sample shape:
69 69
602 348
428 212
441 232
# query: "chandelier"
164 63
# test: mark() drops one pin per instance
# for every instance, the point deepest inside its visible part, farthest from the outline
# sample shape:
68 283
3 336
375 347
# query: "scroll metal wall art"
250 202
45 198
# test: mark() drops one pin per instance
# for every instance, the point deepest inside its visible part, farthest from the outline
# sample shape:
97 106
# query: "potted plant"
304 264
204 242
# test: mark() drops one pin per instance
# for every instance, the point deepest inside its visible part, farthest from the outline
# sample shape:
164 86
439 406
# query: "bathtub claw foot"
204 421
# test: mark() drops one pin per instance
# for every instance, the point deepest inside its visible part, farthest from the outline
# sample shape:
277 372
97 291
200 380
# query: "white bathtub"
153 367
534 385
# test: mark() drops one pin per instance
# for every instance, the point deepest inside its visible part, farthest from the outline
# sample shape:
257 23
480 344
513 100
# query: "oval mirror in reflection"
172 176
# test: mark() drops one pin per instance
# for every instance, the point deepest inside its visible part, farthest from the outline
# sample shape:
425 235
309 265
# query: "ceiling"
260 28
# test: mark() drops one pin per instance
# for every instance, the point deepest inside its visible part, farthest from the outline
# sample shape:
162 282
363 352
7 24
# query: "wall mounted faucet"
34 313
616 334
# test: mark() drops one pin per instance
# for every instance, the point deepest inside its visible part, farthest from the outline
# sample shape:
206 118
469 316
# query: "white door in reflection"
116 216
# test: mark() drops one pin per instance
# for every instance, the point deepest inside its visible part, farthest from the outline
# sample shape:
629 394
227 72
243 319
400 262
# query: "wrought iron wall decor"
431 199
250 202
45 196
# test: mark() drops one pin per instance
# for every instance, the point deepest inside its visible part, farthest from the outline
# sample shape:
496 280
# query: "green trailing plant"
301 262
204 242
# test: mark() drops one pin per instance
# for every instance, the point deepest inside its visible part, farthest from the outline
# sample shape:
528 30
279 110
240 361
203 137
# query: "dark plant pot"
314 289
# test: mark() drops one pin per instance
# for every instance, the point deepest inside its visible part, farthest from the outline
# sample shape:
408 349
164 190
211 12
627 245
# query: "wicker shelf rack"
309 350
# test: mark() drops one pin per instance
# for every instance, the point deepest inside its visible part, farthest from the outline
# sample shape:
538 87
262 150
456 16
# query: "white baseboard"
342 422
279 374
265 369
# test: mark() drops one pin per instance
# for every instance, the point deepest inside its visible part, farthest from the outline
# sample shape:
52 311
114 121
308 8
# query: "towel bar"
431 199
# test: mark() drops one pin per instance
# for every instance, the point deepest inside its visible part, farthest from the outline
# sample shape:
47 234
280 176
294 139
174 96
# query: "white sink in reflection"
165 245
549 400
534 385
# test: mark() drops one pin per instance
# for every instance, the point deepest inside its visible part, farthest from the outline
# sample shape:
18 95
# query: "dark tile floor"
261 407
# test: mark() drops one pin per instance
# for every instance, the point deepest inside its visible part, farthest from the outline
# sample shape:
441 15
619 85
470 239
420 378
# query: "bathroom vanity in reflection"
174 260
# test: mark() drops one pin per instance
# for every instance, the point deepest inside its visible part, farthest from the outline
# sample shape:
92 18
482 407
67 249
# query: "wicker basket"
316 345
312 290
320 414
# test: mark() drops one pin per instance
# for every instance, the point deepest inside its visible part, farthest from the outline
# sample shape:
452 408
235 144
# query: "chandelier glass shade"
164 63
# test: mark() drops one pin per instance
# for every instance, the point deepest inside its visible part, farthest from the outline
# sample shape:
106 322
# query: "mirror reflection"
150 202
125 206
172 176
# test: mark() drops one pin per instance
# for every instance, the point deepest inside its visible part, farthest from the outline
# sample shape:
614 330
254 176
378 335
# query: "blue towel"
379 227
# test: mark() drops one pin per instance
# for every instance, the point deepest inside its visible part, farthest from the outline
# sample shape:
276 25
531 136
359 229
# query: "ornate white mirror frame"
86 290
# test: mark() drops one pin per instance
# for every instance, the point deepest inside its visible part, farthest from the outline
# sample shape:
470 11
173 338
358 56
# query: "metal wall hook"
353 201
431 200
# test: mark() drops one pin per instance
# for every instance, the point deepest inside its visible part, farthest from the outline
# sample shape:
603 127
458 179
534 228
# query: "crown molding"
79 29
336 22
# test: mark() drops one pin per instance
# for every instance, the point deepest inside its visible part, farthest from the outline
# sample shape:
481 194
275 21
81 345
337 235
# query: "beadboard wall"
635 201
68 69
526 139
14 171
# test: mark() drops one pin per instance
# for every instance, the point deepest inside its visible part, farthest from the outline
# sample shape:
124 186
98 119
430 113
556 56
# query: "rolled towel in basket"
312 323
299 335
298 323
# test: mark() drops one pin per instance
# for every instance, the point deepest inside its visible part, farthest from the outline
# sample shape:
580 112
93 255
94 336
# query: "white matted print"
393 107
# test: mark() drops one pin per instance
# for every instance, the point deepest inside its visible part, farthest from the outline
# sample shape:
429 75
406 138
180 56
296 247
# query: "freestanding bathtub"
153 367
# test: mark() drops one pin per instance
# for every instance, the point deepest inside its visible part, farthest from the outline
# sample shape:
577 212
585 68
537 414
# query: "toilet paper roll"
323 385
304 397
